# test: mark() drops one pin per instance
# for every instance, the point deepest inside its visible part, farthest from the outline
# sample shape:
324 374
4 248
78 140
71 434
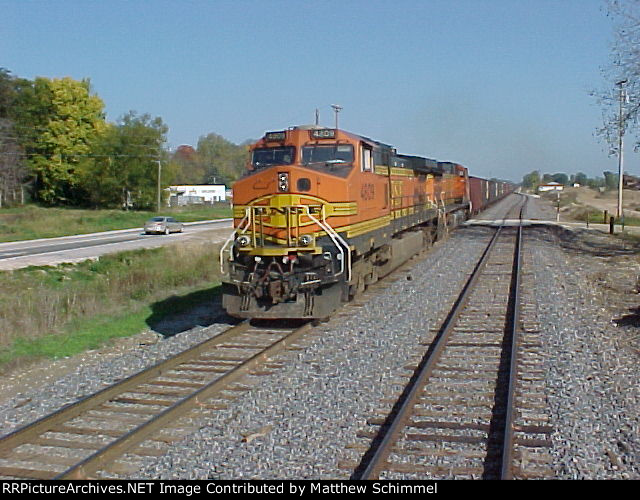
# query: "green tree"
7 92
13 170
610 180
58 120
581 179
531 180
561 179
124 169
222 160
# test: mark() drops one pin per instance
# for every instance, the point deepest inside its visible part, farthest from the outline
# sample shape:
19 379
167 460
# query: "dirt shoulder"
608 200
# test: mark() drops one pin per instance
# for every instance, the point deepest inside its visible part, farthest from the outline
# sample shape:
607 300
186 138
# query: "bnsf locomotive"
322 213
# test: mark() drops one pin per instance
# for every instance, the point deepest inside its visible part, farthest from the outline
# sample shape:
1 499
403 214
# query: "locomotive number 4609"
368 192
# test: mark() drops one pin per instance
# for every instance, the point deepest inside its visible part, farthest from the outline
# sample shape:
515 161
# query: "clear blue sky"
501 86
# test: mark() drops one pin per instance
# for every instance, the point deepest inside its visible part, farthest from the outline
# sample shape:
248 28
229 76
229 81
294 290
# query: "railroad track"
95 436
84 439
473 406
134 417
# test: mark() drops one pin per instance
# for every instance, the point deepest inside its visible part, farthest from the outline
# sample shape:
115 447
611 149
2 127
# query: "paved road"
51 251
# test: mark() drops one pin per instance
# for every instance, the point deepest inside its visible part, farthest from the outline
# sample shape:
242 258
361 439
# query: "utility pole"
623 96
159 176
337 110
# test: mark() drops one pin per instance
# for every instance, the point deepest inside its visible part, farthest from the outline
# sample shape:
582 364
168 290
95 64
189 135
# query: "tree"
610 180
561 179
624 67
223 161
13 170
124 169
531 180
58 121
581 179
189 168
7 92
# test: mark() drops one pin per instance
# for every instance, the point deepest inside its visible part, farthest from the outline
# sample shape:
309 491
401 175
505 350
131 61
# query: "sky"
500 86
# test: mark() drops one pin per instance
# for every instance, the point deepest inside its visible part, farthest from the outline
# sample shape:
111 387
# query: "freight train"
322 213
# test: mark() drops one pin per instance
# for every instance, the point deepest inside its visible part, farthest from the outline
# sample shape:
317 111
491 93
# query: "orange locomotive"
322 213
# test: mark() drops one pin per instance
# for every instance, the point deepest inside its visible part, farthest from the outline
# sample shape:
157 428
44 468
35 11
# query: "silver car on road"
162 225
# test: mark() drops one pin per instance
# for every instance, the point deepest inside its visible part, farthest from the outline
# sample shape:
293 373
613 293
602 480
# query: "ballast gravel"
96 369
316 404
298 422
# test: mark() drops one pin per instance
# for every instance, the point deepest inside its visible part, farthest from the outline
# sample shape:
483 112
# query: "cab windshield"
266 157
331 154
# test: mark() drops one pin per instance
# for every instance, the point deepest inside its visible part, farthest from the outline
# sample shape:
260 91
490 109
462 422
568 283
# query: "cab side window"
367 159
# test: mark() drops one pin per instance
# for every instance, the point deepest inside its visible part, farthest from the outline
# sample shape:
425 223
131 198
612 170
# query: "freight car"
483 192
322 213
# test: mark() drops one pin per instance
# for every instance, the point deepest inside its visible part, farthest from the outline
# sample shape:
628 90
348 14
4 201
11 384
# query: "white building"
551 186
197 194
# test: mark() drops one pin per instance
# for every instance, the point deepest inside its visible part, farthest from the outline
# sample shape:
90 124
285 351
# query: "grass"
565 198
33 221
596 216
91 333
580 212
62 310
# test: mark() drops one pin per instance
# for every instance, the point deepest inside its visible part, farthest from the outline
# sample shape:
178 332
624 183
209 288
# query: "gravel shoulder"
588 309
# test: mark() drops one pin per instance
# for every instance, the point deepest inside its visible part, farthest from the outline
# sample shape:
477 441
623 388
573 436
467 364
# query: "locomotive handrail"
334 236
247 215
338 241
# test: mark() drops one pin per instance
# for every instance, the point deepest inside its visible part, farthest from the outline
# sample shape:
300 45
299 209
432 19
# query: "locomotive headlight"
283 181
243 240
305 240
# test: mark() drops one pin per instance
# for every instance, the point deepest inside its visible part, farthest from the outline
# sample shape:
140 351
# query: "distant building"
197 194
630 182
550 186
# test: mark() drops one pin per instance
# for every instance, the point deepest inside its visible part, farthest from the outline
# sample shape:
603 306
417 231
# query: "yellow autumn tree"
73 120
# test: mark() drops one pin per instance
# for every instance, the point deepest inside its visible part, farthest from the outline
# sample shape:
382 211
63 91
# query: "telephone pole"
623 96
159 186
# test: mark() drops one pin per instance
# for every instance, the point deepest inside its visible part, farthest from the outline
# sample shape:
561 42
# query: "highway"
52 251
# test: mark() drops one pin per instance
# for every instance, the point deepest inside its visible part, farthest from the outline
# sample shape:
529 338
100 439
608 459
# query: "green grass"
85 334
565 198
58 311
596 216
33 221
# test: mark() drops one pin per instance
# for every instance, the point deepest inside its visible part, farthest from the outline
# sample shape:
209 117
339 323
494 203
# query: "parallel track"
466 411
100 428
